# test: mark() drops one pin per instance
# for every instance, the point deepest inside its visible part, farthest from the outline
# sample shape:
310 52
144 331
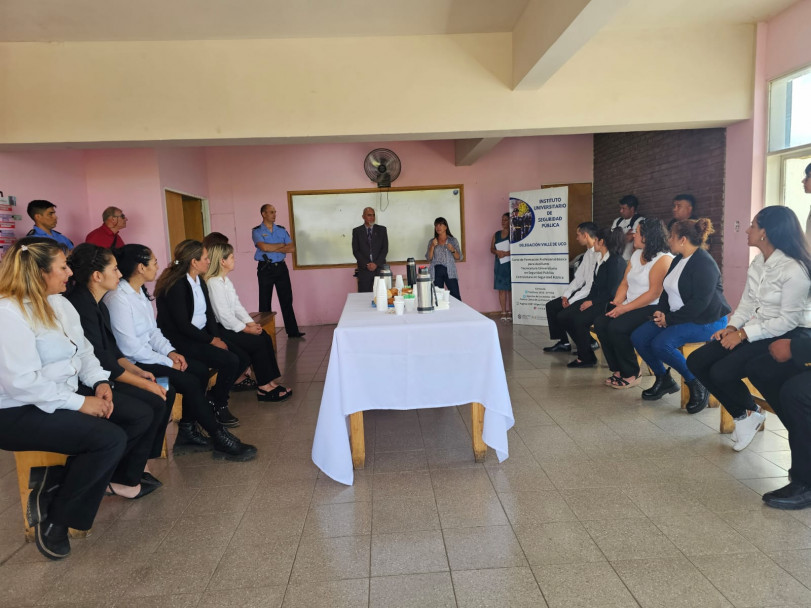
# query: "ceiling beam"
468 151
550 32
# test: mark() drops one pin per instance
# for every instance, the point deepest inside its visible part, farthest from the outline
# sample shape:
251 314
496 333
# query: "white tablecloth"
380 361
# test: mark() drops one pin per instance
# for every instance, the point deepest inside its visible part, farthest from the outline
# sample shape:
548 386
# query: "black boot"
699 396
224 415
44 482
664 385
228 447
190 439
52 540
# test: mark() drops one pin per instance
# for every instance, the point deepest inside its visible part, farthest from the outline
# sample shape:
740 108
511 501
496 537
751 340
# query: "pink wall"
54 175
782 46
238 180
241 179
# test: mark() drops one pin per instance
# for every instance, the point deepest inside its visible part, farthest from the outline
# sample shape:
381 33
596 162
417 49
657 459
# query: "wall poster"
539 251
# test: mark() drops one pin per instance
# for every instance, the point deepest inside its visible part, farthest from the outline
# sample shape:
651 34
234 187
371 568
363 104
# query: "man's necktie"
369 239
115 241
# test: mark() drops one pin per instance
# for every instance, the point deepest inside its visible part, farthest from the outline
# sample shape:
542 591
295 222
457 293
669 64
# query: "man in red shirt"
107 235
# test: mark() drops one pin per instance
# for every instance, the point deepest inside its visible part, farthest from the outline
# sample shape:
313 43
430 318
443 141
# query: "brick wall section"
655 166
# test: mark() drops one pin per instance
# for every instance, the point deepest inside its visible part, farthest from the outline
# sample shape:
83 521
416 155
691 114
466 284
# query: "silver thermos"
426 298
385 275
411 272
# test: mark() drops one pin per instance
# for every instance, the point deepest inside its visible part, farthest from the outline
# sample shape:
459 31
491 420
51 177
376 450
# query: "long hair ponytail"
185 252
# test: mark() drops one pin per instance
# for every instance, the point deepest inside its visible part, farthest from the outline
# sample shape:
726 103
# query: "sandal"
274 394
622 383
610 380
246 384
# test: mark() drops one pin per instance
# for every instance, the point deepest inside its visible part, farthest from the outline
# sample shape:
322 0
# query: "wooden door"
580 210
184 218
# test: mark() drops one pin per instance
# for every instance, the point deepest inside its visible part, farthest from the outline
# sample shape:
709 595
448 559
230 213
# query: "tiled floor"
605 501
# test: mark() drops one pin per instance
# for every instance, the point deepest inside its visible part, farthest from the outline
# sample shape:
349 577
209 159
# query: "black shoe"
44 482
228 447
150 480
224 416
559 347
578 363
146 488
595 345
246 384
663 385
300 334
52 540
190 439
699 397
795 495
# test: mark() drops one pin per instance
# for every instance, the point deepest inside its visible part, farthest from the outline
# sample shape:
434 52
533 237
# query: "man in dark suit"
783 377
370 246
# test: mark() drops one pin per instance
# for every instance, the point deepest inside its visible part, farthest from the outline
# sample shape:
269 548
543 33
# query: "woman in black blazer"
691 309
94 274
187 320
577 319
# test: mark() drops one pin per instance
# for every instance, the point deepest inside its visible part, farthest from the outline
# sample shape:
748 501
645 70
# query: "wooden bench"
268 322
25 462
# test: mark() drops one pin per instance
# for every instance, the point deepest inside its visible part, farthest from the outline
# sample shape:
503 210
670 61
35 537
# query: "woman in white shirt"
634 303
142 343
238 330
46 404
775 304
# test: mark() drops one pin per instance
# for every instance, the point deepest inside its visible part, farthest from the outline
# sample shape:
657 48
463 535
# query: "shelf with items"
8 222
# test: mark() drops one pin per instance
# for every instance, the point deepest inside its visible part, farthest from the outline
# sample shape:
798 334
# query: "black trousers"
161 411
577 323
787 388
95 446
136 418
257 350
441 279
615 339
553 309
722 371
192 385
228 365
366 279
276 274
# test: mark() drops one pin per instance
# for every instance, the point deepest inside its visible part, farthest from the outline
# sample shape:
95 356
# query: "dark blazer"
175 312
607 278
700 289
360 245
801 352
95 320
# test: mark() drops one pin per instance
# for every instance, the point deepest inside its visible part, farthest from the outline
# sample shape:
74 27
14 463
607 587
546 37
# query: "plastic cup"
410 304
382 304
398 282
399 307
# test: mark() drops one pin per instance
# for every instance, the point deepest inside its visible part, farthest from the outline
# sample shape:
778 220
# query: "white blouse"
639 276
227 308
43 365
775 299
198 318
671 285
134 326
580 286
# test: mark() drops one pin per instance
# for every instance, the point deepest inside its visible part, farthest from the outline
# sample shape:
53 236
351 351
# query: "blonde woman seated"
47 369
244 337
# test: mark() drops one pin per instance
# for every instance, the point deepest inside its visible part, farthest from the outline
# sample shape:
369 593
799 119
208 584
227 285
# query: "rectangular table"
380 361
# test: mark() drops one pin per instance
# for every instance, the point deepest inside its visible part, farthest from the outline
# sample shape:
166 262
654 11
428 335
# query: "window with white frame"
789 143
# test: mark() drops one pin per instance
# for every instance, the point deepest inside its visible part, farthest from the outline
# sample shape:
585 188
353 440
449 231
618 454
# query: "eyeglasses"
122 216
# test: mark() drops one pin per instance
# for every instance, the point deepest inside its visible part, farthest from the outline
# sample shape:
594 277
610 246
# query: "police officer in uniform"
272 244
44 215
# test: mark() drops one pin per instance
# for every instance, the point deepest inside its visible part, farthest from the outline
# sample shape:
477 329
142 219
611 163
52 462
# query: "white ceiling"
118 20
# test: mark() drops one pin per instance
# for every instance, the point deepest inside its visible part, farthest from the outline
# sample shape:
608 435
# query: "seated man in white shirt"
576 290
629 221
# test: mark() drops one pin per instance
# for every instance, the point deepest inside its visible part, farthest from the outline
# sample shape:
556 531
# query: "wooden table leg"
357 440
477 416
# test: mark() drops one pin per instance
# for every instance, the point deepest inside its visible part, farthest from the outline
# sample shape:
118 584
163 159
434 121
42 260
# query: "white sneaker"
747 429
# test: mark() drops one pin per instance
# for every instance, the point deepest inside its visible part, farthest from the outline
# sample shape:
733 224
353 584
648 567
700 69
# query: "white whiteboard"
322 221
